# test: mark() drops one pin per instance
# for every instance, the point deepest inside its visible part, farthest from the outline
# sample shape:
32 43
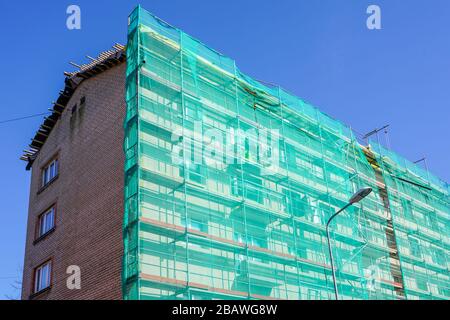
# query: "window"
46 222
235 187
407 208
251 240
313 294
49 172
438 257
196 173
430 219
422 285
256 242
194 224
192 112
415 247
42 277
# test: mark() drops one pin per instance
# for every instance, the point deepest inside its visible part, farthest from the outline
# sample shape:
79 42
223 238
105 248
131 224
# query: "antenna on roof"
371 133
386 136
424 160
375 132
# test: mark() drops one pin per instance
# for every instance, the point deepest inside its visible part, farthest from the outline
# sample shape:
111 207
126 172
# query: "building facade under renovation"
226 188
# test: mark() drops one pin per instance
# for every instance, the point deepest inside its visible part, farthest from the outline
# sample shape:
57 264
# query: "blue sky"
320 50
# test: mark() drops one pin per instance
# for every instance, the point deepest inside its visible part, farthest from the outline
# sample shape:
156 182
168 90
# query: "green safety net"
229 184
420 205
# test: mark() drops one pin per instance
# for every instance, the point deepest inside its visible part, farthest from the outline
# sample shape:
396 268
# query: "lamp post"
357 197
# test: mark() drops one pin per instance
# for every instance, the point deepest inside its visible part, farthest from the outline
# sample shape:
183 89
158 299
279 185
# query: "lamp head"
360 194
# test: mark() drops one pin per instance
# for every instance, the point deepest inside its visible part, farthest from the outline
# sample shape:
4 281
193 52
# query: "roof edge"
105 61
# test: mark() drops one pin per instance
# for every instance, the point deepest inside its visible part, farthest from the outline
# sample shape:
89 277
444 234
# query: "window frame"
414 246
44 173
38 235
35 290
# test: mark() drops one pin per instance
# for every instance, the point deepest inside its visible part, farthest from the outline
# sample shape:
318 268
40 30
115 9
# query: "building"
75 209
225 186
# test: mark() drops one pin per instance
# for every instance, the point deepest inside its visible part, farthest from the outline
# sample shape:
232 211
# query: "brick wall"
88 194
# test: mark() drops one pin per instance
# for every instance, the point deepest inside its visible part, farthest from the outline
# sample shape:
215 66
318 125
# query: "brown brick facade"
88 194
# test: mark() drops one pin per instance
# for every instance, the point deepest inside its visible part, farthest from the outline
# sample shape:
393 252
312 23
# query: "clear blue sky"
320 50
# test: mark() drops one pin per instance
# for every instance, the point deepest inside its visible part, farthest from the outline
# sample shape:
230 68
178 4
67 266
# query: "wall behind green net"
229 185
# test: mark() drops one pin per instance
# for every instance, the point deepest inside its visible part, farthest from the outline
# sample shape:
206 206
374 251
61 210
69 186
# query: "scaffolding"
229 184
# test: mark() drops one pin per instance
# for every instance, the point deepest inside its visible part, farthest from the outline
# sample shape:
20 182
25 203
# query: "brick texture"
88 194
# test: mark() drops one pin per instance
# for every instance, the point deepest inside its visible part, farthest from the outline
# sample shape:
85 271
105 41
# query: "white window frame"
42 277
46 222
49 172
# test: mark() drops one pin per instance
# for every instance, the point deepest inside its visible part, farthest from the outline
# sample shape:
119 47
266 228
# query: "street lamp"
357 197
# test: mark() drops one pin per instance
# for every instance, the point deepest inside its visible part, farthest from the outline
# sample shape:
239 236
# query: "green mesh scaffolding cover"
229 184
